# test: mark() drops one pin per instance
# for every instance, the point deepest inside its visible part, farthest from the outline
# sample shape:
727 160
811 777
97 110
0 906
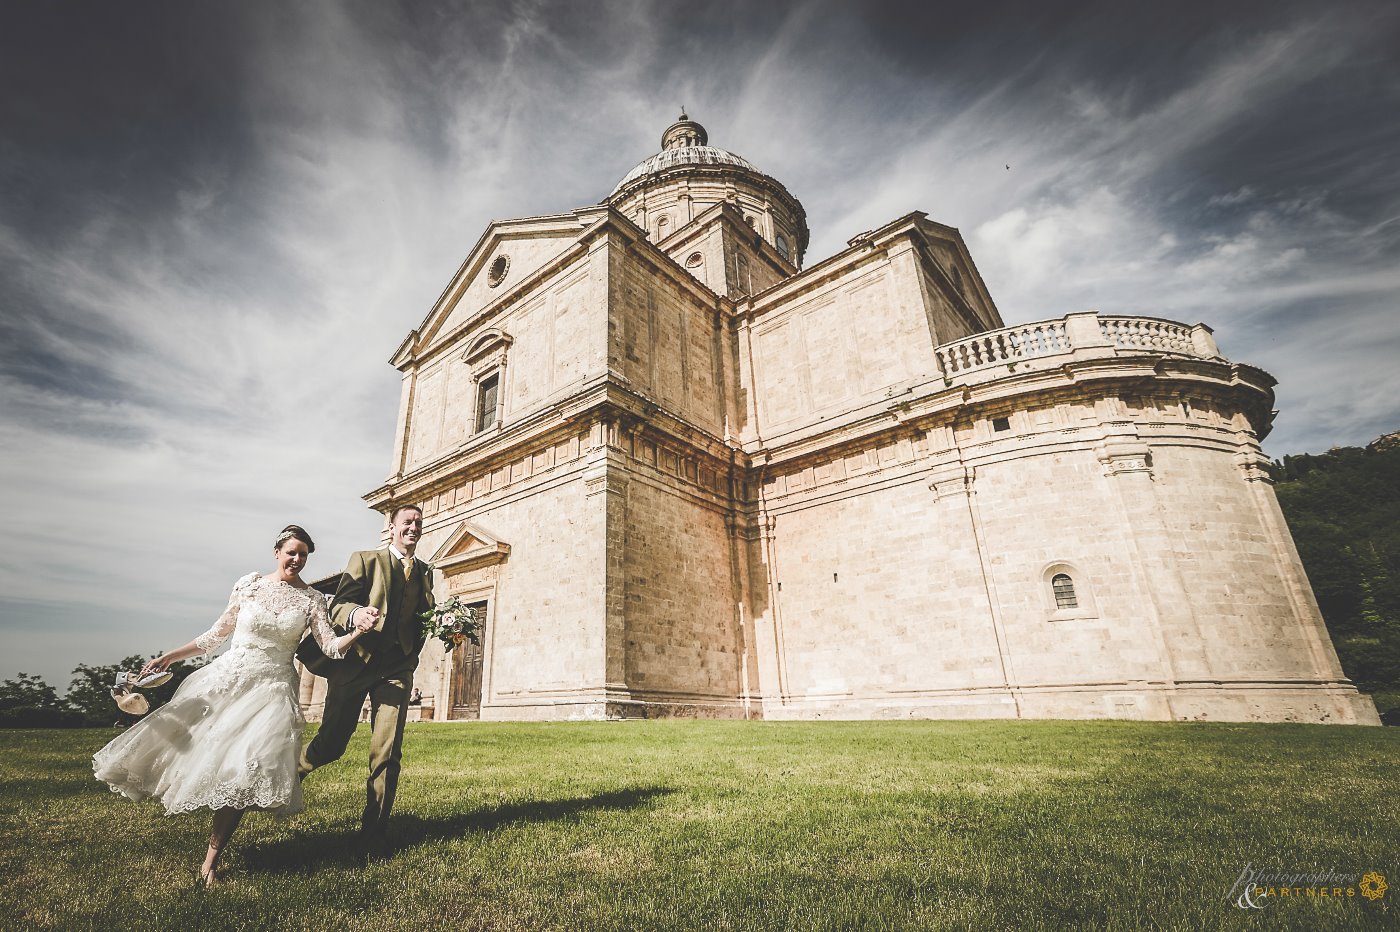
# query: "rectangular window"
486 391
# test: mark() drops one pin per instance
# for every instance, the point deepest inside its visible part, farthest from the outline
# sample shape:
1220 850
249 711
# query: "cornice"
604 398
917 407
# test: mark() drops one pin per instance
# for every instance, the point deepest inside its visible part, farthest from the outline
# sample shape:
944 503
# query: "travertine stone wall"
1225 551
809 362
910 574
665 340
1060 508
881 595
959 300
557 343
701 250
727 256
544 647
548 642
681 638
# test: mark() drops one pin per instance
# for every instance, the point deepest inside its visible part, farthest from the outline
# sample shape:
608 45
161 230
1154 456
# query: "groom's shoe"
374 846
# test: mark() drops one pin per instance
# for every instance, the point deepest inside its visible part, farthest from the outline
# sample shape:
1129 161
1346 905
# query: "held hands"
365 620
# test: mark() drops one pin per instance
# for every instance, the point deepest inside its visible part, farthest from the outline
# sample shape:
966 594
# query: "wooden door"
466 677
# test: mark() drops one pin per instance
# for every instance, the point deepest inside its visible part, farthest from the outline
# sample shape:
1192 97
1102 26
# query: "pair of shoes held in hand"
133 702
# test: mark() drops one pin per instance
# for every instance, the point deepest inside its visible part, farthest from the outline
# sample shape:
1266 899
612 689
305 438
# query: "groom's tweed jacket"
375 578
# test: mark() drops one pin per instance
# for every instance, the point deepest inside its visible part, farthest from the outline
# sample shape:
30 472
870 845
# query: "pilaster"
1166 605
952 485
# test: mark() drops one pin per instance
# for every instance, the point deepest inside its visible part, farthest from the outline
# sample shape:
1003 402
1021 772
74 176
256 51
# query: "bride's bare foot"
209 876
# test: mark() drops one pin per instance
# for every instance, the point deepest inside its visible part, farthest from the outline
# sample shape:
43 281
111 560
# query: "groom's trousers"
388 683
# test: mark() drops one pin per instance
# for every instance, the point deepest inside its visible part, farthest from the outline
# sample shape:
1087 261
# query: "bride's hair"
297 531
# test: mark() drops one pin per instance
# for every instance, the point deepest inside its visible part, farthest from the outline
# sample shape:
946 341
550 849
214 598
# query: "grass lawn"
734 825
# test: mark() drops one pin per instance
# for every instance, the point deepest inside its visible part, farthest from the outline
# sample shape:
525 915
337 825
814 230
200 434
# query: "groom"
394 588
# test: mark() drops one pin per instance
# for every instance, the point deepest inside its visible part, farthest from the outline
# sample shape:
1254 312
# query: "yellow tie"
407 568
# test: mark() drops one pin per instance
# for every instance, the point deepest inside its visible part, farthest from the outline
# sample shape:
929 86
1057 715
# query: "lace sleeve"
321 626
223 628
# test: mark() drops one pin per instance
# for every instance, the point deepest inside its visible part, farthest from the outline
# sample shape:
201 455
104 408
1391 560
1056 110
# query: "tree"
1343 508
29 702
90 692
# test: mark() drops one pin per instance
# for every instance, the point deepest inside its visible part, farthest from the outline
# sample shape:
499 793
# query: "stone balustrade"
1075 335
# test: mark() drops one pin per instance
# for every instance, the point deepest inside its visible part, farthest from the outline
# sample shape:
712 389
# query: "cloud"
208 254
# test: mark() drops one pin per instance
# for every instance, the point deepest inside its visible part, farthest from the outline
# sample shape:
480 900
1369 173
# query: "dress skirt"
229 738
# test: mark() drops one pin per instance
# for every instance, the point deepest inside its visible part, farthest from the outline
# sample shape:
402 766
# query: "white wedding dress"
231 734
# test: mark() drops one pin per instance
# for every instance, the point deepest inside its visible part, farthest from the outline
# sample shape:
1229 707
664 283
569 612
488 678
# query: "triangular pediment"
507 257
468 547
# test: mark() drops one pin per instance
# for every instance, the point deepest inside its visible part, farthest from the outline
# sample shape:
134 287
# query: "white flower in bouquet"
453 622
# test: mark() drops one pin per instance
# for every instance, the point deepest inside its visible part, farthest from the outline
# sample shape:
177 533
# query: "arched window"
486 360
1063 588
1067 593
782 244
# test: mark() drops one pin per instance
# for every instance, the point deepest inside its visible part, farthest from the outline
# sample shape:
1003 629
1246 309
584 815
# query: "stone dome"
688 176
684 155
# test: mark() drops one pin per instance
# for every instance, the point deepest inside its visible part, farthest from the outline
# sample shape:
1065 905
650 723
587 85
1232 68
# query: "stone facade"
685 476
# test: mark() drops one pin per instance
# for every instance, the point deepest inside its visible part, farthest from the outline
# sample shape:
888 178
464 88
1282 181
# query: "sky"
219 220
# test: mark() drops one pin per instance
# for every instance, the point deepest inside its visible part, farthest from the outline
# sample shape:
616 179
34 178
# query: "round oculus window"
497 272
693 260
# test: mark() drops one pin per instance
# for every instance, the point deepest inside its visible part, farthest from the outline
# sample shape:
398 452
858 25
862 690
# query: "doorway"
466 677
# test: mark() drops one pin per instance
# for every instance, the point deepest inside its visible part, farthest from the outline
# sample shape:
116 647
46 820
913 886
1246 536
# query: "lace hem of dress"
228 795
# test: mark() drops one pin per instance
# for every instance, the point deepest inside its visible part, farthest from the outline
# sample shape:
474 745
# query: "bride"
228 739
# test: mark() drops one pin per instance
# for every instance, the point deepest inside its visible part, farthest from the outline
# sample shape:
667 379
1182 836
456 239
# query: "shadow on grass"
25 792
304 852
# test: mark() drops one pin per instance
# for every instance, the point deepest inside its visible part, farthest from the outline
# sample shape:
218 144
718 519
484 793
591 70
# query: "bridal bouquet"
453 622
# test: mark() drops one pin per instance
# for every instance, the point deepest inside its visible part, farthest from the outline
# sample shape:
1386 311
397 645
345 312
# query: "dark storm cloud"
218 219
118 101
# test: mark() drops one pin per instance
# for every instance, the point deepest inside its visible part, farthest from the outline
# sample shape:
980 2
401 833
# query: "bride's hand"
366 618
158 665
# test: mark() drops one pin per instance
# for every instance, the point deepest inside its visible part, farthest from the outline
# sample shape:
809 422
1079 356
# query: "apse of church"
684 473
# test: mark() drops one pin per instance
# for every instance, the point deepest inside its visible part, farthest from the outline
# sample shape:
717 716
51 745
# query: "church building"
683 473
